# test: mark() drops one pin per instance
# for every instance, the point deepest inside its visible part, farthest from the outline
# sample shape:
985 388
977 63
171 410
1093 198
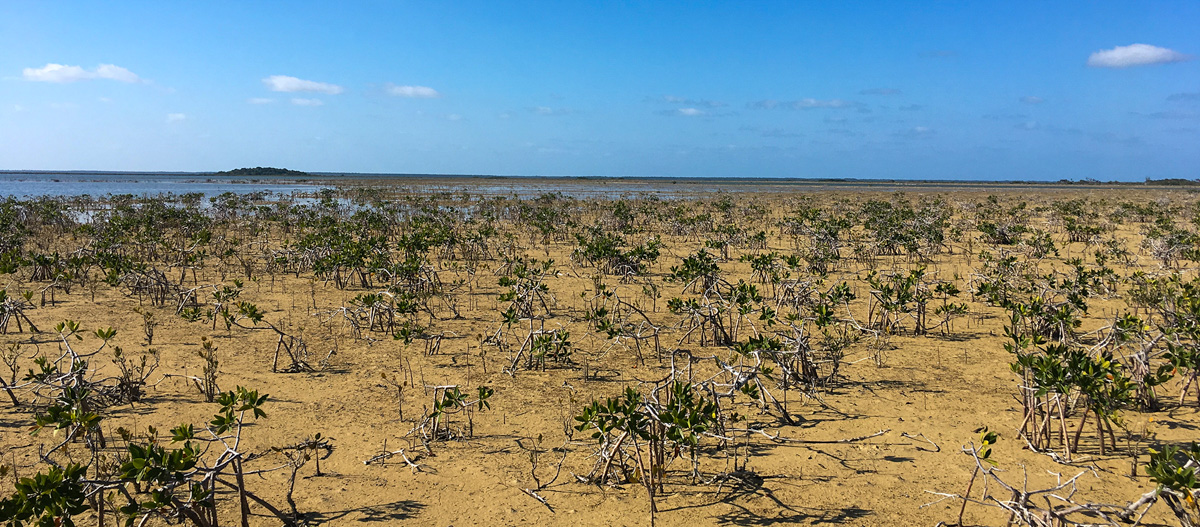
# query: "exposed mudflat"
919 397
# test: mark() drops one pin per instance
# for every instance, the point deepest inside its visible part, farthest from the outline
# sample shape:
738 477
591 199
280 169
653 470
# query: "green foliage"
615 415
699 269
611 254
260 171
527 292
1174 469
237 402
987 439
686 416
70 411
49 499
552 345
1001 225
451 400
160 473
897 294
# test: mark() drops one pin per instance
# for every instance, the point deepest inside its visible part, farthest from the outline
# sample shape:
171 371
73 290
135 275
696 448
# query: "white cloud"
1032 99
769 104
1173 114
1049 129
56 73
61 73
416 92
684 112
1134 55
175 117
454 117
816 103
307 102
780 133
1111 138
285 83
916 132
674 99
260 100
546 110
1004 116
805 104
117 73
18 108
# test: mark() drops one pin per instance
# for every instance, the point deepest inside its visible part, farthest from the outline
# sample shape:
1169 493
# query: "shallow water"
18 184
76 184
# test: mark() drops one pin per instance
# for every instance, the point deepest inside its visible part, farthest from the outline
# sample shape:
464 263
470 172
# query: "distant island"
262 171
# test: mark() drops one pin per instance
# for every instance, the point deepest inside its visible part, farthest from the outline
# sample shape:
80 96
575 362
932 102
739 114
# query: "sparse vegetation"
690 355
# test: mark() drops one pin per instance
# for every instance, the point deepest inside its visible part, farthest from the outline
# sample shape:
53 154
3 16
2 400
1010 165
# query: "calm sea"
151 184
77 184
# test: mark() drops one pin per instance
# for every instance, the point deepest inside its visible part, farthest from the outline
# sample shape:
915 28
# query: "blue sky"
954 90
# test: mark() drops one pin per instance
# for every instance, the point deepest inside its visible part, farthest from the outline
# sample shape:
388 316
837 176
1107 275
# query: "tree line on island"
261 171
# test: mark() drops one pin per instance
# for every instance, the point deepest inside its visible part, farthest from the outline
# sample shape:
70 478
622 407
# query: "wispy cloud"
1032 99
767 104
780 133
284 83
176 117
818 103
260 100
804 104
61 73
1189 96
915 132
1135 55
546 110
1030 126
684 112
701 103
1100 137
1004 116
1170 114
299 101
1112 138
911 108
416 92
845 132
880 91
771 132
